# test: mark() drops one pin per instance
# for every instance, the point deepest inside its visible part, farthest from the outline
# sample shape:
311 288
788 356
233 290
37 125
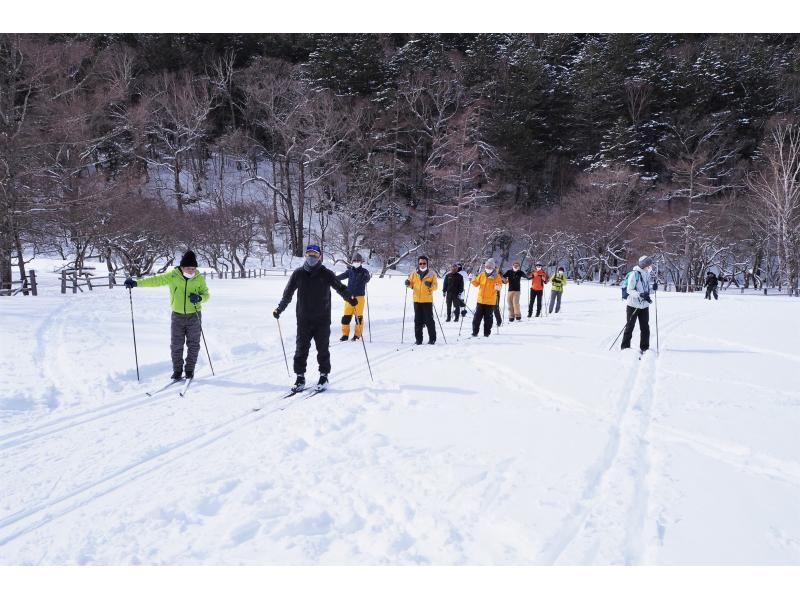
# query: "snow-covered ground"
535 446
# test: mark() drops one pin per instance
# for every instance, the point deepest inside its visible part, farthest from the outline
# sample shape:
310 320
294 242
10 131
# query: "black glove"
428 283
130 283
353 301
655 286
408 282
277 313
646 297
444 293
195 298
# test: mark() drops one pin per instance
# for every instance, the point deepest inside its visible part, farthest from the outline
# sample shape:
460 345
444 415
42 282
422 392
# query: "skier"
452 289
711 285
638 303
538 278
487 282
465 278
357 279
423 282
313 283
513 277
187 291
557 284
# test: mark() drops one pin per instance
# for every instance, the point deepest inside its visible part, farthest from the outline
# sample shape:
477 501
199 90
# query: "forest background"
582 150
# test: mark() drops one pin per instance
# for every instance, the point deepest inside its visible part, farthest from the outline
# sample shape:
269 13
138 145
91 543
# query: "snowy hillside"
535 446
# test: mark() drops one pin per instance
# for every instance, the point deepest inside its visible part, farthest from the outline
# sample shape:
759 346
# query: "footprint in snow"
243 533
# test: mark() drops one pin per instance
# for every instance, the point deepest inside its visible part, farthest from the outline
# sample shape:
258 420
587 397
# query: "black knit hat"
189 260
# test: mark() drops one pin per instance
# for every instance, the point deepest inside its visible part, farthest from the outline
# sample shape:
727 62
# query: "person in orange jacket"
488 283
424 283
538 278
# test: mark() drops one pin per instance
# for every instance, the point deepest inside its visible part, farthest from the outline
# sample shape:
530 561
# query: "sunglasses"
423 263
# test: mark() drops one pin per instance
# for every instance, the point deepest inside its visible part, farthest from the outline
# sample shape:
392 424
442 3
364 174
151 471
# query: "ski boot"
299 384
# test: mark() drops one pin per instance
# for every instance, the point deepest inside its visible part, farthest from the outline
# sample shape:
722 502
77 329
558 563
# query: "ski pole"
623 328
464 306
655 299
203 336
405 305
505 300
369 322
133 327
280 334
364 344
440 322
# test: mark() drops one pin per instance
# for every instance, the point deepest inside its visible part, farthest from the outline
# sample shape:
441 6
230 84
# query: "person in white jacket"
638 304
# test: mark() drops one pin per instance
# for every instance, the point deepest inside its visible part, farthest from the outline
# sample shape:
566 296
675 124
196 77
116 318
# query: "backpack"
624 283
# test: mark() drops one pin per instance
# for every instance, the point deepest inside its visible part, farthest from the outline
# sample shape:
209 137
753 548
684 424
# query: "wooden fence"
26 286
78 279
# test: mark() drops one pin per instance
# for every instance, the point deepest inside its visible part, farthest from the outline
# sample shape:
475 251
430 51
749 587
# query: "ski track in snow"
165 455
535 446
606 524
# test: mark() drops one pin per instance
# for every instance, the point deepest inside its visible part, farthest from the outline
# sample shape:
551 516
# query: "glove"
353 301
130 283
444 293
646 297
195 298
408 282
276 313
655 286
428 283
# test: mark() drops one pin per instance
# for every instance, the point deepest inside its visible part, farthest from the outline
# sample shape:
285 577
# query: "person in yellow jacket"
488 283
557 284
187 293
424 283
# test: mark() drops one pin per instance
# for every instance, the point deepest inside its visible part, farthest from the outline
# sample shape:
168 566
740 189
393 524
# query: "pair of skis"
306 392
184 389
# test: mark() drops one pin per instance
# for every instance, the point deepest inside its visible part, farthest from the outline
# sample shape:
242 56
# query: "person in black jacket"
357 279
452 289
313 283
513 278
711 285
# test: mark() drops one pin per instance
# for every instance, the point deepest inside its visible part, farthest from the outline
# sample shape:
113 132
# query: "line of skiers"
313 282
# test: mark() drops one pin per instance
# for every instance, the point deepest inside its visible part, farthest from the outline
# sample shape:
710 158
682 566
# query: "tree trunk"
178 190
301 201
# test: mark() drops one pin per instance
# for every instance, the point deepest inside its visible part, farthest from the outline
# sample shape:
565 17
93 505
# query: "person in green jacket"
557 284
187 293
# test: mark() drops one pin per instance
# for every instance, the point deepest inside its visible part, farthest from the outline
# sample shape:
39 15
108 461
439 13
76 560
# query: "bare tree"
776 198
702 166
175 121
304 130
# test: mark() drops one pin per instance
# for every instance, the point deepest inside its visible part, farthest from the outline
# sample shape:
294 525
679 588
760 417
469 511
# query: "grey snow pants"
555 299
185 329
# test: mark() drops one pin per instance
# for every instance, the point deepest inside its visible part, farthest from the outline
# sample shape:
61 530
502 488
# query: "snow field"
535 446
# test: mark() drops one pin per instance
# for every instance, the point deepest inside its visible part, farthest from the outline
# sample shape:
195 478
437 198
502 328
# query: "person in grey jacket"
638 303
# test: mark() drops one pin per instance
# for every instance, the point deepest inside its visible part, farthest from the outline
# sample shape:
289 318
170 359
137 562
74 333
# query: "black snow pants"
423 317
454 303
321 333
485 313
537 297
643 315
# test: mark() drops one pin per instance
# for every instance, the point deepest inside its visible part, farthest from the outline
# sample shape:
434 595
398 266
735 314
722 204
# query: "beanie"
645 261
189 260
489 263
357 258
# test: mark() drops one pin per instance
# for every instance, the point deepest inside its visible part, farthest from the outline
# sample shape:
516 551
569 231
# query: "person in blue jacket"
357 278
